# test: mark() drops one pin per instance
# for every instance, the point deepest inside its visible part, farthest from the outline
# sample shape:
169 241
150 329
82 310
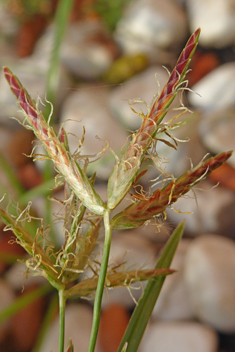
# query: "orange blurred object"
29 32
225 175
29 176
20 146
114 320
201 65
26 324
9 250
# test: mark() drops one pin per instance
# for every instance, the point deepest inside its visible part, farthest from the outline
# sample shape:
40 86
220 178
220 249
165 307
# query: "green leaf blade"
143 310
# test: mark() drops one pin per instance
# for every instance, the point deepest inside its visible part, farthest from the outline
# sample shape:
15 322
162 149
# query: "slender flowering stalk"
55 149
136 214
124 172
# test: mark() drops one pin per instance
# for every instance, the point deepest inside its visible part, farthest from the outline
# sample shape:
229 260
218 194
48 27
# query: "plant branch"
101 283
62 301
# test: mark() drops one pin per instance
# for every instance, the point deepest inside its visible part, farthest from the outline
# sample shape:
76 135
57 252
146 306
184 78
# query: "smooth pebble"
179 337
206 208
216 90
216 130
210 280
215 18
173 302
85 50
151 27
88 107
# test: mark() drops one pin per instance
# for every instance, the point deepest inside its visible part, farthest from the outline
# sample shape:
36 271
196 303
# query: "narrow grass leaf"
143 310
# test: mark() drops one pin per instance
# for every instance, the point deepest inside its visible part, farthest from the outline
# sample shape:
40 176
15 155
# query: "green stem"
101 283
62 301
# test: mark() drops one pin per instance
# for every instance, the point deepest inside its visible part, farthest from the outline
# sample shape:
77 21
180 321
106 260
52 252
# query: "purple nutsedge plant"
86 212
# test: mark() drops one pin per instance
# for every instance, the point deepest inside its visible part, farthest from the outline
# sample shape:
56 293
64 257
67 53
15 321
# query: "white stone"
173 302
136 252
83 55
88 107
6 298
205 209
80 53
216 18
216 90
216 130
150 26
179 337
78 321
210 279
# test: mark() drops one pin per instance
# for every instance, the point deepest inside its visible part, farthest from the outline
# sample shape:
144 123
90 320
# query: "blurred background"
115 53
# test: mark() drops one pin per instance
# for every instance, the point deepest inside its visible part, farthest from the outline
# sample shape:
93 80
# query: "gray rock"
151 27
179 337
173 302
216 130
205 210
88 107
215 18
216 90
83 53
209 276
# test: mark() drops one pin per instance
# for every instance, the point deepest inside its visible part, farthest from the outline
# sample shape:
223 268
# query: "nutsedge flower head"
126 169
56 150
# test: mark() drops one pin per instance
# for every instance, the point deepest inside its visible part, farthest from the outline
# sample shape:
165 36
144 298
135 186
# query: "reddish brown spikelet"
137 213
88 286
70 347
25 101
56 150
62 136
125 171
176 77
